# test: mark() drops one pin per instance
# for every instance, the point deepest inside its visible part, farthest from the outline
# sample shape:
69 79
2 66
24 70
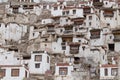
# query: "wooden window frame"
38 59
63 70
37 65
2 72
16 73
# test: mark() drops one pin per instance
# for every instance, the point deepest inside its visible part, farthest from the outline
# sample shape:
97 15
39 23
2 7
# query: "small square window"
15 72
63 71
114 71
66 20
38 57
79 40
37 65
55 8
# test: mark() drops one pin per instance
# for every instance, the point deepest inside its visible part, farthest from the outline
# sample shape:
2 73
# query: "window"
90 17
114 71
61 30
46 39
74 11
33 34
44 7
63 47
26 74
38 57
2 72
76 29
108 24
66 20
67 12
63 13
106 3
84 24
47 59
60 7
106 72
15 72
63 70
111 47
5 57
55 8
89 23
110 37
45 45
79 40
37 65
5 26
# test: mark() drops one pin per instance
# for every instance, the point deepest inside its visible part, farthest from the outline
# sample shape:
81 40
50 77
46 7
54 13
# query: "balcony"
95 37
51 31
116 31
108 15
76 62
98 4
68 32
87 12
75 51
116 40
28 6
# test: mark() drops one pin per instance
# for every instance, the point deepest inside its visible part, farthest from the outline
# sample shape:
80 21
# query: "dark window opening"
111 47
74 11
76 60
90 17
46 39
108 24
26 74
37 65
63 13
106 72
63 47
26 57
67 12
33 34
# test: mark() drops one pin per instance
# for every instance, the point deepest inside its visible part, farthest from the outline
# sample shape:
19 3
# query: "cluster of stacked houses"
59 40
